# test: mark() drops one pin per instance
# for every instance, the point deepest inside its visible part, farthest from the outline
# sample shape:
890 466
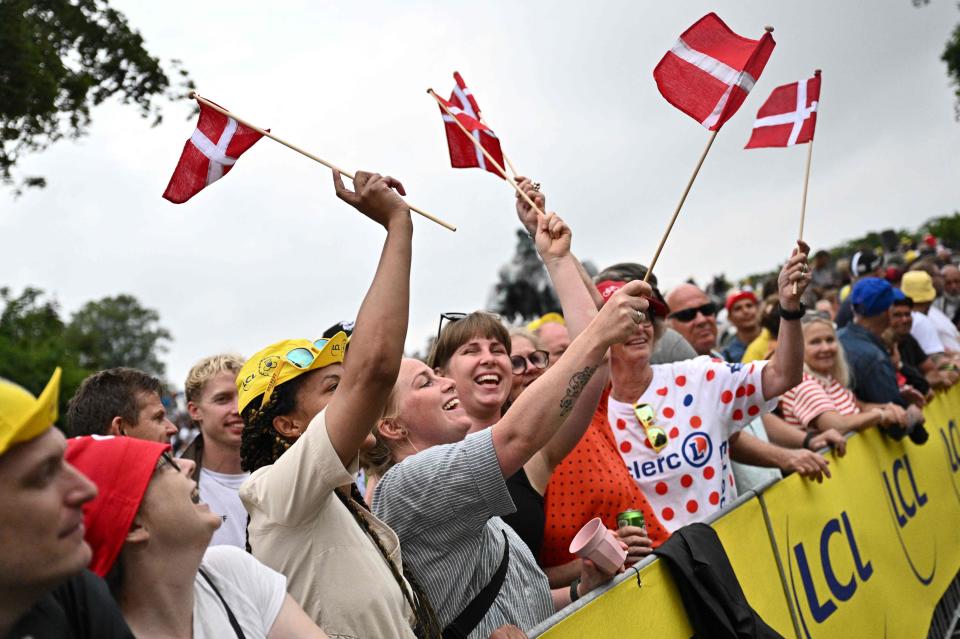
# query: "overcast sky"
269 252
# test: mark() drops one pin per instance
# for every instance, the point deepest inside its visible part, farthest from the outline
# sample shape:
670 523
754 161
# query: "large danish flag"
209 154
710 70
464 154
789 116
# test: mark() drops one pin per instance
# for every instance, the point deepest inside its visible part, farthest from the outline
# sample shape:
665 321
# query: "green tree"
118 331
58 59
32 344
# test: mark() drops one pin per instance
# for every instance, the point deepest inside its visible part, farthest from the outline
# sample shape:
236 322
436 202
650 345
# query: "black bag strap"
470 617
233 620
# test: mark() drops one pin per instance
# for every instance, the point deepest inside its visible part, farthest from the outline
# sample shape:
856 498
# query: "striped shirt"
445 504
813 397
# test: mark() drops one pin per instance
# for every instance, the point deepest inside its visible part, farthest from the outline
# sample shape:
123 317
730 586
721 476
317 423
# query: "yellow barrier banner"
867 553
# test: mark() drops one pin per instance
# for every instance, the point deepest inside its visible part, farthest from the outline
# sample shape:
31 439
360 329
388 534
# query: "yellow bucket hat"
918 286
23 416
283 361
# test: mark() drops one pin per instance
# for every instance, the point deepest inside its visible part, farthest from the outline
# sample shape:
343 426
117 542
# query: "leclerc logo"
697 449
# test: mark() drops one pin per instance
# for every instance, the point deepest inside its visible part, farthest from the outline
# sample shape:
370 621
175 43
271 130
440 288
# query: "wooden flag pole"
195 96
806 182
487 155
663 240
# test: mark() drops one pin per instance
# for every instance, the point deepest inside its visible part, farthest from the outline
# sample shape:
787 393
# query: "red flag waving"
710 70
789 116
463 152
208 155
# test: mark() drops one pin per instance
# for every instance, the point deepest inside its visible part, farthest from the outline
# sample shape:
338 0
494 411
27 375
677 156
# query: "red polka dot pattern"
753 410
662 392
696 422
710 375
674 432
726 397
626 447
680 380
741 391
621 424
738 414
646 442
751 389
686 481
667 514
661 488
668 412
692 506
709 472
714 498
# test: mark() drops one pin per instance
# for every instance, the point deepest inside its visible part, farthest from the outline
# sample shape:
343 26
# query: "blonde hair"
840 372
527 335
202 371
377 460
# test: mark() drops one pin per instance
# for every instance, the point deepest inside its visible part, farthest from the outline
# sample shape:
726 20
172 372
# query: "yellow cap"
270 367
918 286
549 318
23 416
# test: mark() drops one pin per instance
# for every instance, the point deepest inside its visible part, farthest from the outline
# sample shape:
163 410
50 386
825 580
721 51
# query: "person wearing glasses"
528 360
678 426
307 413
445 486
150 539
694 316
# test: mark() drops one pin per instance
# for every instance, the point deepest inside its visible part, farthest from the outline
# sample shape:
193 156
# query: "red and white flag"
710 70
463 152
208 155
789 116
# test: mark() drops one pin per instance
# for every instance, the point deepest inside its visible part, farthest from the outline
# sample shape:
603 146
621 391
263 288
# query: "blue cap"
872 296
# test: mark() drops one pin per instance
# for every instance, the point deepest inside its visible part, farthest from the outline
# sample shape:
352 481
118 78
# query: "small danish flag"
464 154
789 116
209 154
710 70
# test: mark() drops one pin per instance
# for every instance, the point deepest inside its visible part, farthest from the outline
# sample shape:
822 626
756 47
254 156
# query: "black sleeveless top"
530 519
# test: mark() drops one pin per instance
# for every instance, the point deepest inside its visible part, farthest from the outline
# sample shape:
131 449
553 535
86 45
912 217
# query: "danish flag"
710 70
789 116
464 154
209 154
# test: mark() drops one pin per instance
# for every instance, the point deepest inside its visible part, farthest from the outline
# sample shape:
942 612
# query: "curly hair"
260 443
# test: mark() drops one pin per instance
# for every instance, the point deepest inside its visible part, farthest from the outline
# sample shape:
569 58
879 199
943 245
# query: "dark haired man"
120 401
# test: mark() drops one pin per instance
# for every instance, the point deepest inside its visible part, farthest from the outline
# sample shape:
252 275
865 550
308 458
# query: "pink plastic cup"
597 543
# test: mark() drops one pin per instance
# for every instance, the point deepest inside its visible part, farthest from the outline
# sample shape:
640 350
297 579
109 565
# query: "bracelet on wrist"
574 590
789 315
808 439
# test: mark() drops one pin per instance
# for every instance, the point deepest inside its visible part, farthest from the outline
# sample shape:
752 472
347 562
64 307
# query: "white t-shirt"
221 492
253 592
926 334
699 403
945 329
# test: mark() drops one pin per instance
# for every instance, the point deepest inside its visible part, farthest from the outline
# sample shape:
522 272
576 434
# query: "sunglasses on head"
300 357
689 314
647 418
538 359
456 317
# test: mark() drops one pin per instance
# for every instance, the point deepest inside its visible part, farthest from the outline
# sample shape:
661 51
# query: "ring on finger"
536 186
640 316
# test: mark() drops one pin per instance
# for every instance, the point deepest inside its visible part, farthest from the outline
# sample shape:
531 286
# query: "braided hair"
261 445
427 624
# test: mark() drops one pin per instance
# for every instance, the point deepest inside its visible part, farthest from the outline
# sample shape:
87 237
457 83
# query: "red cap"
736 296
608 287
121 467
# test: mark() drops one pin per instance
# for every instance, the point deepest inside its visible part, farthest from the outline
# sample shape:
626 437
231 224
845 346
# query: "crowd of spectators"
332 487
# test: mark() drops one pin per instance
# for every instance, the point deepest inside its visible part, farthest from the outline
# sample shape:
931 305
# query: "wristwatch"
574 587
792 315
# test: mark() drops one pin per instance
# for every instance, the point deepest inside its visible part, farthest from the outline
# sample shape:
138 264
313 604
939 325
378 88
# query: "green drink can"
630 518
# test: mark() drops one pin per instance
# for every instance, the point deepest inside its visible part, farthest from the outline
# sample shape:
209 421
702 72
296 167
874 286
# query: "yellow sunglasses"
647 416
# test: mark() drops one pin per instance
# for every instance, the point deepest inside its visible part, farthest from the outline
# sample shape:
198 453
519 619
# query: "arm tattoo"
574 388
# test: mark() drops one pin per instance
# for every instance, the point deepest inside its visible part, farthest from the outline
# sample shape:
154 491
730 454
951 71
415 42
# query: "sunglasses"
689 314
456 317
300 357
537 359
647 418
166 459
